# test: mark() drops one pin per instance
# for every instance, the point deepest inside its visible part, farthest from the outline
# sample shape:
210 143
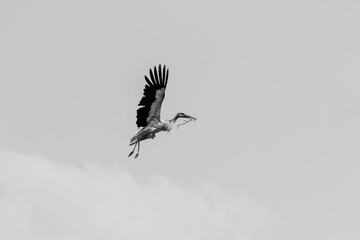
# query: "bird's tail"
142 134
133 140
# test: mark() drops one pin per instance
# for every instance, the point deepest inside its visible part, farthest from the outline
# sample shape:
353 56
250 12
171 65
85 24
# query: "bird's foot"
131 153
136 155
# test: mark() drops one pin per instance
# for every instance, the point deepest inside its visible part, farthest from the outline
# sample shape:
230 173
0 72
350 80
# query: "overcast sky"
274 153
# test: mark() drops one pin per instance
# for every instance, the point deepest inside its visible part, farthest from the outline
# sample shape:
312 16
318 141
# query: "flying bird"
148 115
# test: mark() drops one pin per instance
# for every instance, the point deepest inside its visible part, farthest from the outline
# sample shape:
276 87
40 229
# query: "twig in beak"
185 122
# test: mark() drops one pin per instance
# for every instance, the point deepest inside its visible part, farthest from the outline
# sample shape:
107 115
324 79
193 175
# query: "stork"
148 115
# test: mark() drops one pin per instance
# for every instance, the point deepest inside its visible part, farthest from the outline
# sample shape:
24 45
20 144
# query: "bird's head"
183 115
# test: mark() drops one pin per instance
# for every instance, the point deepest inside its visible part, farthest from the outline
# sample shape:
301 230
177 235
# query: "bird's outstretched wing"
154 93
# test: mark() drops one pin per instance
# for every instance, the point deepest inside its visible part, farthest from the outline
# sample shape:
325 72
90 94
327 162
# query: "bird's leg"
133 149
137 154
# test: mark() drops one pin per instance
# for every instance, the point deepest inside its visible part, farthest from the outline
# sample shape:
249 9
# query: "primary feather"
154 94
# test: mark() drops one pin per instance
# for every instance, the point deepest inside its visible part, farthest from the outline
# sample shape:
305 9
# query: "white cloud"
43 199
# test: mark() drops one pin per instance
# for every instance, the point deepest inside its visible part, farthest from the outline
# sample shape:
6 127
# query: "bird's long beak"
190 117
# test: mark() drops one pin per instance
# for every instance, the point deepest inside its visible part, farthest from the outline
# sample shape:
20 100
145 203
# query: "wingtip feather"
152 77
167 76
156 76
161 79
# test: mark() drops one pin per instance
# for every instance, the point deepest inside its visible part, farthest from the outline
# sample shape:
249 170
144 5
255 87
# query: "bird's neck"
170 123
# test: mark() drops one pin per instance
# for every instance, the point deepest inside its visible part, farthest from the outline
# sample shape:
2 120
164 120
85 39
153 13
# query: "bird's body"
150 131
148 115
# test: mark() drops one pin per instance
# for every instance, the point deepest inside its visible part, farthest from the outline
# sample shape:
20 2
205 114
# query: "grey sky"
274 85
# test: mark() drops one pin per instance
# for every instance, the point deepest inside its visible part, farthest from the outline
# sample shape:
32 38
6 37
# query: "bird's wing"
154 93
